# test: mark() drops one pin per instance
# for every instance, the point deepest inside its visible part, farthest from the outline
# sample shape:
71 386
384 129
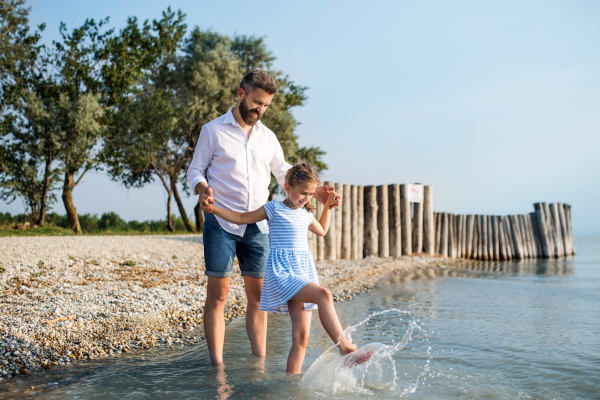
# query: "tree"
158 132
26 170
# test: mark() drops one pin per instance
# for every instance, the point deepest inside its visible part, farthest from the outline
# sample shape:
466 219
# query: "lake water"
495 331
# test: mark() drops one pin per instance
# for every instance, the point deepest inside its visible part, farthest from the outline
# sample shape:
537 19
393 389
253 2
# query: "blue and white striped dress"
290 266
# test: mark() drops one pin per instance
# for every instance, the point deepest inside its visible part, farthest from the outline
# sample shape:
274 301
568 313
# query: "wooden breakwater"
394 220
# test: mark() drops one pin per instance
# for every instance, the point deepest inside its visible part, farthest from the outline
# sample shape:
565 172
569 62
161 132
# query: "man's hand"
322 194
205 199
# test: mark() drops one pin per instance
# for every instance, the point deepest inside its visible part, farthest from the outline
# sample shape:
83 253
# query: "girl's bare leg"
315 293
300 333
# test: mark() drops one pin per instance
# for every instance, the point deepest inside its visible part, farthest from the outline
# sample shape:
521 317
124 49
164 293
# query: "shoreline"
65 299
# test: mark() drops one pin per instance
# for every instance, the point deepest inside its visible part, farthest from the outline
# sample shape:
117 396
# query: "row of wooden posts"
395 220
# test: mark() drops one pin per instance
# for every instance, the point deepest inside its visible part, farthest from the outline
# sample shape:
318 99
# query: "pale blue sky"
496 104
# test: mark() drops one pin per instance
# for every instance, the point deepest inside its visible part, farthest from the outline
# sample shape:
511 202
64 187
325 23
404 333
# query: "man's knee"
217 291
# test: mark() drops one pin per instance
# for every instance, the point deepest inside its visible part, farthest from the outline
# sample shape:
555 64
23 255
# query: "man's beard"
248 118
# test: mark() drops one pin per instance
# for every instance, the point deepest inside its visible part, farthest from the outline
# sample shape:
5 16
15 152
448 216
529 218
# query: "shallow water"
498 330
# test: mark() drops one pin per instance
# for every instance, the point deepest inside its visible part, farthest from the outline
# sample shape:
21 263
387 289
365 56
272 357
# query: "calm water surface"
493 331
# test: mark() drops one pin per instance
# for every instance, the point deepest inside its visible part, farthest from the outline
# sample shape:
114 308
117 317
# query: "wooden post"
530 237
490 238
469 244
511 239
464 235
438 233
569 219
346 223
354 222
522 231
339 188
484 236
478 243
476 254
516 237
507 238
320 239
417 228
540 220
451 237
459 236
428 221
394 218
501 242
445 234
564 229
406 221
495 238
536 235
330 238
560 248
371 239
383 223
361 222
550 229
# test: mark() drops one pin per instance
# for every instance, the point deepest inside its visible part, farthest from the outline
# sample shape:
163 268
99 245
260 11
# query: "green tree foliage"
157 132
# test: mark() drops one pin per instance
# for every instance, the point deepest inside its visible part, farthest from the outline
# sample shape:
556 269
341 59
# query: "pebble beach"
66 299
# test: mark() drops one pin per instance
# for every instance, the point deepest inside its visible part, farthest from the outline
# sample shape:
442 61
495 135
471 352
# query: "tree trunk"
184 217
169 218
67 197
42 217
199 218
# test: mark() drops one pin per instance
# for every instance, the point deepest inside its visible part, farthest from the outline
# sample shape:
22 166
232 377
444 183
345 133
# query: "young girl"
291 283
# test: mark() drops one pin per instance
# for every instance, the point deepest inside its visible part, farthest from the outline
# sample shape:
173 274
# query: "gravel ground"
72 298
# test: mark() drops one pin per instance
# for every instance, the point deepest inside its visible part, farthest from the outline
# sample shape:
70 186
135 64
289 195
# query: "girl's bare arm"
239 218
321 226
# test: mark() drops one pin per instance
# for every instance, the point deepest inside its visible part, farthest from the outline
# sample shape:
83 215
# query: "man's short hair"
259 79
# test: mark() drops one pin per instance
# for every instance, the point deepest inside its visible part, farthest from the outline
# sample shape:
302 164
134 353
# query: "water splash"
334 373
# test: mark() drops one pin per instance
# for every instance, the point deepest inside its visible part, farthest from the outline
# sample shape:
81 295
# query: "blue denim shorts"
220 247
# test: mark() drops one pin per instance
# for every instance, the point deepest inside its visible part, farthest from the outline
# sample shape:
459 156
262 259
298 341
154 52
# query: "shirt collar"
230 119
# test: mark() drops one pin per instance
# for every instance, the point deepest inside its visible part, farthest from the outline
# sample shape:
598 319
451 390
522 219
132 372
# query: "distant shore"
85 297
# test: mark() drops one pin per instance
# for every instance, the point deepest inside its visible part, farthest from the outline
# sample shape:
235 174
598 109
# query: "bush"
111 221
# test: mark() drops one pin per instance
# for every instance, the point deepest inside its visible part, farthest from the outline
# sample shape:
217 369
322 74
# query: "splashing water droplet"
369 368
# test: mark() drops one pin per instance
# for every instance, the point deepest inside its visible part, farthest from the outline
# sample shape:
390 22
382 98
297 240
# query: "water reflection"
563 267
219 377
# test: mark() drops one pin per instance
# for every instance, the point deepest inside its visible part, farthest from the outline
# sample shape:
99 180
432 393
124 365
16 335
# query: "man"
236 153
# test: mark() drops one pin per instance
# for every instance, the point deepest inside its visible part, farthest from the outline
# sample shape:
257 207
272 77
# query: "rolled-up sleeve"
203 155
279 167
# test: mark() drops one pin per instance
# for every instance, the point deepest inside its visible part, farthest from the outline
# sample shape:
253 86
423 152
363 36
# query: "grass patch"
55 231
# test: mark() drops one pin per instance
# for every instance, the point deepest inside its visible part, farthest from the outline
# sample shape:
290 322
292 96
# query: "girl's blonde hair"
302 172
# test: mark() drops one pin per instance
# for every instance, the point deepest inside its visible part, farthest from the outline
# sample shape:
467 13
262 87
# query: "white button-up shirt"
237 169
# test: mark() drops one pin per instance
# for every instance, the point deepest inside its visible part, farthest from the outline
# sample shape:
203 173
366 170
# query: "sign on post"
414 192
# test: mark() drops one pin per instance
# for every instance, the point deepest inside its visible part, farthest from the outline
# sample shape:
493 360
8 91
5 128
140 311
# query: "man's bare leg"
256 320
214 318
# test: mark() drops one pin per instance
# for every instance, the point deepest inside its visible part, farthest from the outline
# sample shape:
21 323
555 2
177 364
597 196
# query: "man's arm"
196 172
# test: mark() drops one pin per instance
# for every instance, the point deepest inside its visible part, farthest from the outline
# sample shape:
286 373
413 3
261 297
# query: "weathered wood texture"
417 228
395 229
428 221
370 225
354 238
383 224
361 222
406 221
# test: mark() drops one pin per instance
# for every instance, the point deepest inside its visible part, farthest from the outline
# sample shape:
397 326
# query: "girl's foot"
347 347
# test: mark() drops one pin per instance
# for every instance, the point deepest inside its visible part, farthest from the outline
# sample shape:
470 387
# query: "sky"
495 104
